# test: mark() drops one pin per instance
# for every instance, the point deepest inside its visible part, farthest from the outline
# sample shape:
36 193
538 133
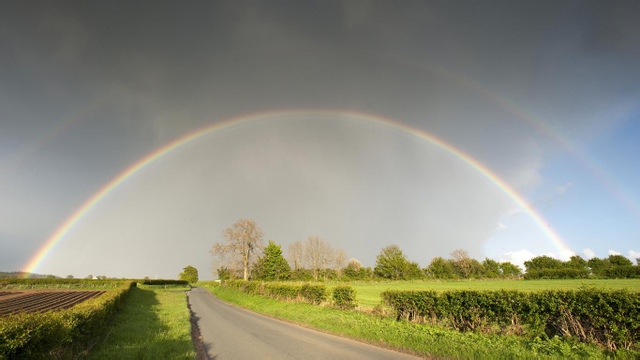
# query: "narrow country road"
230 332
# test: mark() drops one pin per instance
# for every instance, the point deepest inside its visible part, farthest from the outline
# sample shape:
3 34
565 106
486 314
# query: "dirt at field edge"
201 351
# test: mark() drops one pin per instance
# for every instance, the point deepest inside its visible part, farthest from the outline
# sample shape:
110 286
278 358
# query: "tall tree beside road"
271 265
241 241
190 274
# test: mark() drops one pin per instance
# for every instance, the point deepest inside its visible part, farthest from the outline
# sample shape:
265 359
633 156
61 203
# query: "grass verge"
154 323
423 340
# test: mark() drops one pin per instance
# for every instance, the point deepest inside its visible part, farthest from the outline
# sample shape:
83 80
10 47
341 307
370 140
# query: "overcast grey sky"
545 94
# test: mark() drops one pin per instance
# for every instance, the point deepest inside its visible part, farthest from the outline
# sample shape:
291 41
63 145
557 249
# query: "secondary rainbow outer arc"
605 178
17 158
49 245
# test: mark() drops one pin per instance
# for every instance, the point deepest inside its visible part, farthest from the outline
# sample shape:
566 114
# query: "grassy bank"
413 338
368 293
154 323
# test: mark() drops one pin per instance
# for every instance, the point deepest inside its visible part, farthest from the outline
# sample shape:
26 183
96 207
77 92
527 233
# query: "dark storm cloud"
123 78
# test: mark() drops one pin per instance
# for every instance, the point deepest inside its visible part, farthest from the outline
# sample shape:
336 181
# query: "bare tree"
317 253
296 255
241 240
339 260
462 261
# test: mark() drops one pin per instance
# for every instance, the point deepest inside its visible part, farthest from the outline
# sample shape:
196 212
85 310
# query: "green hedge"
62 283
314 293
283 291
608 318
58 333
344 297
311 293
163 282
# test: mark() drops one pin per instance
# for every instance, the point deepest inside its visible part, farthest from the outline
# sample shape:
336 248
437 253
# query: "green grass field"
368 293
153 324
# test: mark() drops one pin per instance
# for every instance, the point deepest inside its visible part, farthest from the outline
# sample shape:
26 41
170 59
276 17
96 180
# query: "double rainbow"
60 233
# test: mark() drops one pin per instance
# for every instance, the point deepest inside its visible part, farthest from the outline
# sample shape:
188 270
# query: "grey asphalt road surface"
230 332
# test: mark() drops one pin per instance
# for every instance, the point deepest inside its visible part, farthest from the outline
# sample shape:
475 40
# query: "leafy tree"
491 268
540 263
223 273
352 270
619 260
355 271
391 263
189 274
241 241
576 262
272 265
576 267
440 268
69 276
510 270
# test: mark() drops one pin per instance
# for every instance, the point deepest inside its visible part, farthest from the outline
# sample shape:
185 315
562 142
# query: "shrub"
314 293
344 297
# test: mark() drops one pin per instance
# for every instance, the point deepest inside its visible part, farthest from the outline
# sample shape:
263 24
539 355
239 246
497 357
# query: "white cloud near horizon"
588 253
517 257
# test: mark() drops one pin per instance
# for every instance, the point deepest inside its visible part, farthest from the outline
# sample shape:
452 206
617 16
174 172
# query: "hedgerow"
164 282
607 318
61 283
58 333
312 293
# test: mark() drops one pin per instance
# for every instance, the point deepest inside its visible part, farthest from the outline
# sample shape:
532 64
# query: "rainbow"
59 234
606 179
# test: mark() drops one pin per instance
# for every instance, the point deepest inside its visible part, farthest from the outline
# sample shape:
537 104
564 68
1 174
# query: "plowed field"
38 301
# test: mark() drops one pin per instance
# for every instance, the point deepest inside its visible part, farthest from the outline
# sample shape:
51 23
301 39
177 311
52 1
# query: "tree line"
614 266
242 255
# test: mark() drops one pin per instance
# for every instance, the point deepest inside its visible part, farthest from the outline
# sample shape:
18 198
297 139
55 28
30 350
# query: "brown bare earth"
42 300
